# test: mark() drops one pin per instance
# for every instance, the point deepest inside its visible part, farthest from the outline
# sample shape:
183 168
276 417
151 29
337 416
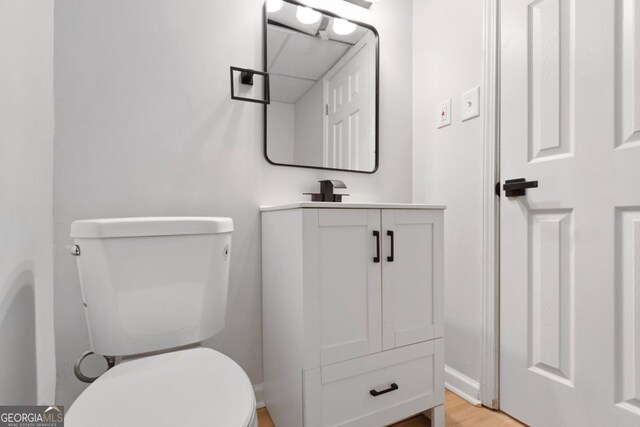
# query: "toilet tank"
151 284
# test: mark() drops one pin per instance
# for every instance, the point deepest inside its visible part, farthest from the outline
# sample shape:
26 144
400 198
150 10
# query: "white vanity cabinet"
352 313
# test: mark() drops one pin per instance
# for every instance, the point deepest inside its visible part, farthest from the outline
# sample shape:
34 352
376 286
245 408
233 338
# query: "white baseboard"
258 390
462 385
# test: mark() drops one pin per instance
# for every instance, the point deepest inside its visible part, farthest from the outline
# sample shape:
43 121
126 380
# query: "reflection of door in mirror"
349 110
323 91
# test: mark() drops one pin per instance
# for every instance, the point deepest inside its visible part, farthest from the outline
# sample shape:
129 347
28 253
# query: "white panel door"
412 276
570 249
349 102
350 283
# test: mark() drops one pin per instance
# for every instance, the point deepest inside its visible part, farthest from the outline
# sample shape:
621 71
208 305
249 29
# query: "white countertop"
348 205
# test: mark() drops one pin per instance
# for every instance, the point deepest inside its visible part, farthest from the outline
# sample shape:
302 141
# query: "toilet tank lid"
149 226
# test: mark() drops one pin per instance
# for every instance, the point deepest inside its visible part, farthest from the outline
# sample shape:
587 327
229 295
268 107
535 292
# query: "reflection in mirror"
323 79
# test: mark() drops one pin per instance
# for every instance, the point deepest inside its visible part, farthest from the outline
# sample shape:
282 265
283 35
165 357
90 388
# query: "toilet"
153 289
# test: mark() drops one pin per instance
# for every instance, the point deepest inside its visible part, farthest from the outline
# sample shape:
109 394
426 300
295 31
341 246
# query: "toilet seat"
194 387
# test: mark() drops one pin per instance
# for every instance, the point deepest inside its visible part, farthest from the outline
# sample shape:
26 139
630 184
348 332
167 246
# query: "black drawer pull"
376 393
376 234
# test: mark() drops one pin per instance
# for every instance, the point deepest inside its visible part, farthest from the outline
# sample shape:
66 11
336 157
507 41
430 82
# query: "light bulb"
274 5
306 15
343 27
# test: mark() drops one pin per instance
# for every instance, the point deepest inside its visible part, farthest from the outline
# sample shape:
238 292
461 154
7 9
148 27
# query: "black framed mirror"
324 84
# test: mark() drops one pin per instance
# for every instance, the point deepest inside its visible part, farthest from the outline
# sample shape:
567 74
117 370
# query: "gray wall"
27 354
280 132
308 128
447 163
145 126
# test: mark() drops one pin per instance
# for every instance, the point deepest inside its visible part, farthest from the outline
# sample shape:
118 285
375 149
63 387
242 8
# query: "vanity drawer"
407 380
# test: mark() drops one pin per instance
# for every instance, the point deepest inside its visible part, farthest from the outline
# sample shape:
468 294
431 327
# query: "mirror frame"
377 90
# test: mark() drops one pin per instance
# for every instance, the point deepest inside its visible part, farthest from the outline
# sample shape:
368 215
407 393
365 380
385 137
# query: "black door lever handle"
518 187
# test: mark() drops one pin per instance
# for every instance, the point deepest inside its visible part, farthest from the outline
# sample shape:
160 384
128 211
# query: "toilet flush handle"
73 249
111 362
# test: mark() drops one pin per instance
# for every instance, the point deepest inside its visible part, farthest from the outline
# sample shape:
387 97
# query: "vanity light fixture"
343 27
362 3
274 5
306 15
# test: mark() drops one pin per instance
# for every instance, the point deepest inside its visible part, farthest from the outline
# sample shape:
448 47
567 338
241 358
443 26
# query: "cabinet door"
412 276
350 290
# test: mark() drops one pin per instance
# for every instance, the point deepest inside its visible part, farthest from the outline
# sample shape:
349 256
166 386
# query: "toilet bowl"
153 289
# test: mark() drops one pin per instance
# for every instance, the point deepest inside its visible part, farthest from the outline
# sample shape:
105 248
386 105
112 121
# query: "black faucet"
326 193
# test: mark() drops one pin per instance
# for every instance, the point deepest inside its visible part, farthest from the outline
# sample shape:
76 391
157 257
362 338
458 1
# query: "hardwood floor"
458 413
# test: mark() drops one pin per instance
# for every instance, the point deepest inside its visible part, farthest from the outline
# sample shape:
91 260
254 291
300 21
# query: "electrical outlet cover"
444 113
470 104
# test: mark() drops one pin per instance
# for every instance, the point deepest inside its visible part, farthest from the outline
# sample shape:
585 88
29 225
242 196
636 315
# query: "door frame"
490 356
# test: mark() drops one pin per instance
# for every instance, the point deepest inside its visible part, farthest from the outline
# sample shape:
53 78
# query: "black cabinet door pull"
376 393
390 234
376 234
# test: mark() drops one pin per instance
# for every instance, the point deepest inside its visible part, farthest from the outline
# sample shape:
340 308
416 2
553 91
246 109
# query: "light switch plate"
470 104
444 113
